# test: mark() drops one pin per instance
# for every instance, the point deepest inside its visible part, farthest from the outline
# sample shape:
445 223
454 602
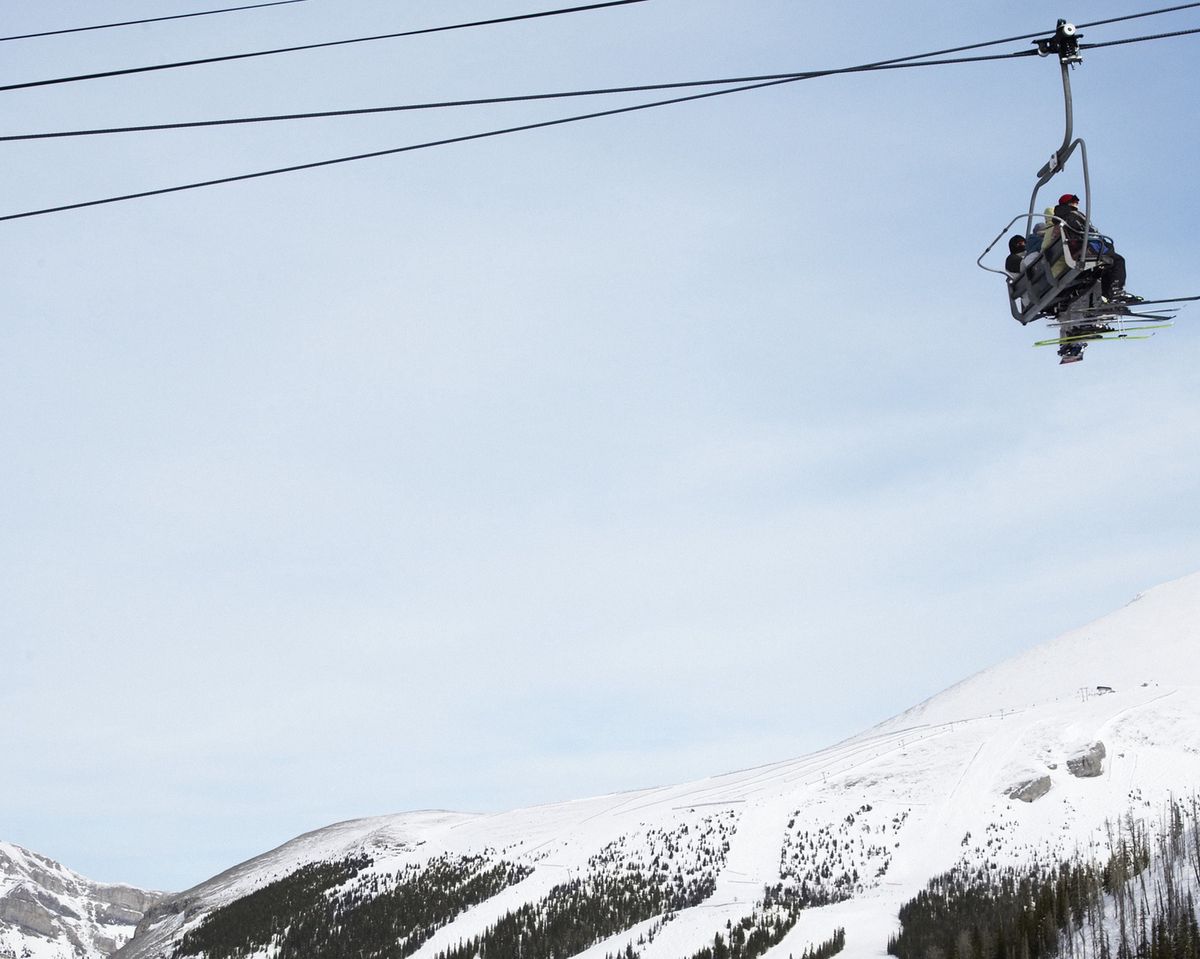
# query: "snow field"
873 818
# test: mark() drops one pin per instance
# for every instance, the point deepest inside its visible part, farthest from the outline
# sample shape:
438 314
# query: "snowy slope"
1150 641
47 911
1099 722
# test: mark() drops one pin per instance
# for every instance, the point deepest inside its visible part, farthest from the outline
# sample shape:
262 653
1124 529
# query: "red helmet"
1068 198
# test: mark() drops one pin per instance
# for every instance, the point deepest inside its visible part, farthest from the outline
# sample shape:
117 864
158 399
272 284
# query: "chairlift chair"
1053 280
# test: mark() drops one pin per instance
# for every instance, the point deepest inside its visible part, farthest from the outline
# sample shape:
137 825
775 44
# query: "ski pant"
1112 276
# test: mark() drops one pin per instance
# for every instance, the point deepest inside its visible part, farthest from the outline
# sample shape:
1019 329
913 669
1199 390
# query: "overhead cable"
390 152
882 65
314 46
225 58
526 98
895 64
134 23
1138 16
491 101
1155 36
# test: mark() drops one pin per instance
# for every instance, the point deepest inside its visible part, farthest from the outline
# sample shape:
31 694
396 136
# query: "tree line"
317 911
1138 903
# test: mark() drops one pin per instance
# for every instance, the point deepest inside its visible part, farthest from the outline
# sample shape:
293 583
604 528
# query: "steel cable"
1138 16
1155 36
226 58
919 60
883 65
135 23
905 62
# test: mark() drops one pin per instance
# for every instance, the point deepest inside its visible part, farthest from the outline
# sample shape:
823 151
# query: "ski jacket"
1016 253
1075 223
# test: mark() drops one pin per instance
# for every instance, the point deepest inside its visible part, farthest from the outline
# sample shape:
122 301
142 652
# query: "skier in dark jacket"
1112 264
1016 253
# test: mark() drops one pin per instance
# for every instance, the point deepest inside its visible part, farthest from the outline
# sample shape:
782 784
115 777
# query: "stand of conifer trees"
1139 904
770 921
305 916
580 913
253 921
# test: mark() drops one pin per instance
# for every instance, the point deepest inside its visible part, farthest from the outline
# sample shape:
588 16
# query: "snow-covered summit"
1152 642
48 911
1028 760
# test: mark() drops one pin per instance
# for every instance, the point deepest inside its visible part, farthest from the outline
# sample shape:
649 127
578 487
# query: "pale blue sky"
595 457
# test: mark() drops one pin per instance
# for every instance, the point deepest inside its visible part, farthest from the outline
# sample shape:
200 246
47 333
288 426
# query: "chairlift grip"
1065 43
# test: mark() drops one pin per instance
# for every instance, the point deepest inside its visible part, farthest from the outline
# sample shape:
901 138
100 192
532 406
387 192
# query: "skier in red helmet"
1112 264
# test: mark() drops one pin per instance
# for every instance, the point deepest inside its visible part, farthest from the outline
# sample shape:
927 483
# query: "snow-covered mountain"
1032 759
49 912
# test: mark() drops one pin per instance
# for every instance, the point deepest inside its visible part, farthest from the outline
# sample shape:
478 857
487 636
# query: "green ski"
1110 335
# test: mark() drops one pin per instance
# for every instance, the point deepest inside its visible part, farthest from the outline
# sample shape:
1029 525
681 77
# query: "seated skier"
1016 253
1112 264
1037 238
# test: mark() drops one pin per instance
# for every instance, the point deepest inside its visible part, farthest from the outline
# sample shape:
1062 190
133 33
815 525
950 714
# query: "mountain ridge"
1029 760
45 907
1108 641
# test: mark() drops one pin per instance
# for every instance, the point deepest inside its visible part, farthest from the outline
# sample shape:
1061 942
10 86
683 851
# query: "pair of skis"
1115 329
1105 333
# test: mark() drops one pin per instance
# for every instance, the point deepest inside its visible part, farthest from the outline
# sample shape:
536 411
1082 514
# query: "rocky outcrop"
1089 763
45 873
42 900
171 906
1029 790
123 905
22 909
127 897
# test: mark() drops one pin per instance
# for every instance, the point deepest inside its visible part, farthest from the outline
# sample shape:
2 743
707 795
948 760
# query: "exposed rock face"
1030 790
1089 763
123 905
48 910
22 910
127 898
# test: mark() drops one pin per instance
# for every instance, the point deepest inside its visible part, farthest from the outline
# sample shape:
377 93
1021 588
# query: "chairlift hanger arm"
1065 43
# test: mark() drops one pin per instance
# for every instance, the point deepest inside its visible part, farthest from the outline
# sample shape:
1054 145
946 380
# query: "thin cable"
883 65
898 63
1156 36
491 101
315 46
261 53
1138 16
134 23
381 153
